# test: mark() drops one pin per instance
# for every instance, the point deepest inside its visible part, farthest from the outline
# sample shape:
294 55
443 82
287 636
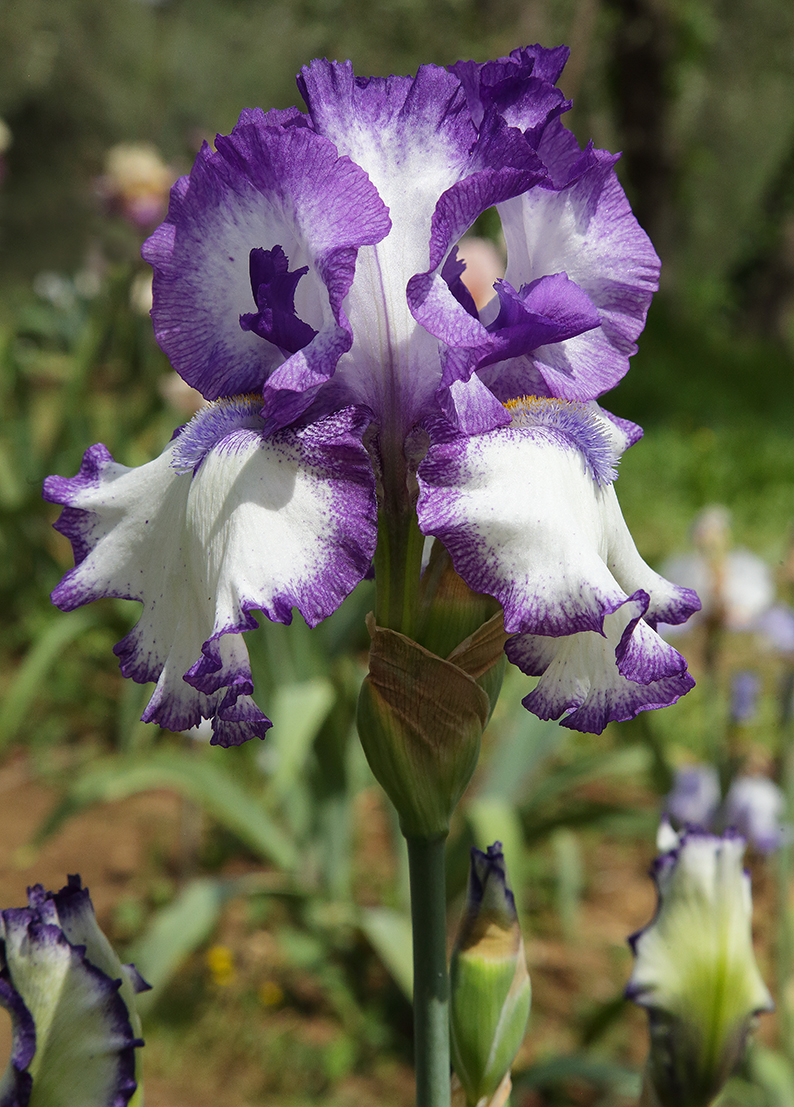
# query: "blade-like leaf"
33 670
189 773
389 934
176 931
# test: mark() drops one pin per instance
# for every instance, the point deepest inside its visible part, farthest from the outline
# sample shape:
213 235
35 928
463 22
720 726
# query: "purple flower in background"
735 586
306 281
745 687
695 797
756 807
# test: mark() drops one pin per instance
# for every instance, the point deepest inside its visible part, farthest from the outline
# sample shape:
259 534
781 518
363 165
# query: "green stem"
431 977
398 557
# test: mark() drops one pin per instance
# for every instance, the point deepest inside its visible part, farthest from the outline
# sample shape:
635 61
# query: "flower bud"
71 1001
490 991
420 720
695 969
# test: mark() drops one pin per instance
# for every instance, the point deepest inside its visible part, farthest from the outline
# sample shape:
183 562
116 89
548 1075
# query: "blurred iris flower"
753 806
72 1005
306 282
735 586
695 970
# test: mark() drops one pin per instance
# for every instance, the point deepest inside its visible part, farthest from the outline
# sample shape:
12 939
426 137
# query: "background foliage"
271 914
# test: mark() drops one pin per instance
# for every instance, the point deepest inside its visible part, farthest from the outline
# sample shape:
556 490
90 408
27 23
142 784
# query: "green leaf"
298 712
195 774
32 672
389 934
177 930
773 1071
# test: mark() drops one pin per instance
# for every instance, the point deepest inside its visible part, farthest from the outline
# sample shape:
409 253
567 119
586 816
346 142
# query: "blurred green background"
296 971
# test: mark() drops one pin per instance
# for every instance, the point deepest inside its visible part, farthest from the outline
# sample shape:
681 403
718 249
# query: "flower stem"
431 978
398 557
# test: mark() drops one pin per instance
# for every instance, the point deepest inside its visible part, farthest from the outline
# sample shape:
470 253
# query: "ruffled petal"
75 1030
582 685
521 87
529 515
272 185
413 137
582 226
226 521
436 172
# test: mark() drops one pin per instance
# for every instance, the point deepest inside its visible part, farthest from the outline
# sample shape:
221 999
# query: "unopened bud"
420 720
490 991
695 970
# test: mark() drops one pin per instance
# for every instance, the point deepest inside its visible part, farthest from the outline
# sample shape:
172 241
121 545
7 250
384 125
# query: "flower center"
273 287
578 424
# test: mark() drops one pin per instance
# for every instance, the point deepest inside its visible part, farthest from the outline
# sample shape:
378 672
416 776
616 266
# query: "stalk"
431 978
398 557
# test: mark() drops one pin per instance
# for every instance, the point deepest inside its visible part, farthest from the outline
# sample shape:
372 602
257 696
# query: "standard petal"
582 226
225 522
271 184
521 87
415 138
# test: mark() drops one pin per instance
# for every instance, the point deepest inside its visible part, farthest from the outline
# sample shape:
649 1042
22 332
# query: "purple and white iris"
306 281
72 1005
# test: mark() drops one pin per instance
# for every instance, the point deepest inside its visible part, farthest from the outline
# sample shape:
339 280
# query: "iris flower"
72 1004
695 970
306 282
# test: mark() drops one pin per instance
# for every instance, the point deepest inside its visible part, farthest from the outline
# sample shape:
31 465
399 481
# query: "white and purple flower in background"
753 806
695 970
306 282
76 1032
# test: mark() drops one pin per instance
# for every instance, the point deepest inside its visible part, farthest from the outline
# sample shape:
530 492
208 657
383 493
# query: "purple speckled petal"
503 165
272 183
583 227
226 521
16 1082
529 515
84 1034
451 273
581 681
413 137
